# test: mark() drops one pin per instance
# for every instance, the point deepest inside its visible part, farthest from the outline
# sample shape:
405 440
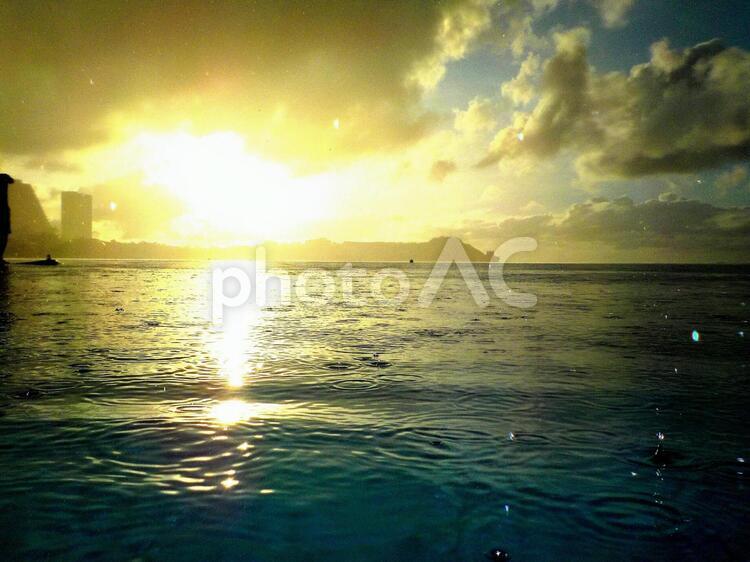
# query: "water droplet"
660 436
497 555
696 336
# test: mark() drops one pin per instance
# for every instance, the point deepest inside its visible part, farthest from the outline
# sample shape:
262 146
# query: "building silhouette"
75 216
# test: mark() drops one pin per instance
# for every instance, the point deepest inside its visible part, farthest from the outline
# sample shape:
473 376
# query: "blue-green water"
131 428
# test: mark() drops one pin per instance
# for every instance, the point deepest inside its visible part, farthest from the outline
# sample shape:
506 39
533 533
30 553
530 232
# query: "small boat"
47 261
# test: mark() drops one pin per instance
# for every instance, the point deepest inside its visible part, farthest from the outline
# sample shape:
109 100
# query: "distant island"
313 250
34 236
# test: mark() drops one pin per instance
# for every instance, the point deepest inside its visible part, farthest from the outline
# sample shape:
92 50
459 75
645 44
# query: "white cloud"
478 116
613 12
521 89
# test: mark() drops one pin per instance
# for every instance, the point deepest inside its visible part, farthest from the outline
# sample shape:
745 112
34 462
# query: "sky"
603 128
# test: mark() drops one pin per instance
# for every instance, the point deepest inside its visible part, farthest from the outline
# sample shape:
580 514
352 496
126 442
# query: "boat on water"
48 261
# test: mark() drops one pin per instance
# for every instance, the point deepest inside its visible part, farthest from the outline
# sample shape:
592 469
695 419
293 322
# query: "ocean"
366 429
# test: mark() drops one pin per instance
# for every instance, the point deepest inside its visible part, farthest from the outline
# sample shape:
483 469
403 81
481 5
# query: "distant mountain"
27 215
325 250
314 250
31 231
34 236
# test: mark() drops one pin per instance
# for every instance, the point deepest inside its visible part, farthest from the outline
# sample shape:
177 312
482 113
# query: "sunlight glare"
234 345
228 191
230 412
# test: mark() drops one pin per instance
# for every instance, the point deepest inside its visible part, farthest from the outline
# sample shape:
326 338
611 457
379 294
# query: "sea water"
132 427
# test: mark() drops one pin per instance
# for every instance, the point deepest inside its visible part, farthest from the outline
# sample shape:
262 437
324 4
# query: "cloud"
460 26
680 112
514 22
665 229
491 195
520 90
53 165
732 178
683 112
441 169
669 197
532 208
613 12
478 116
280 73
561 112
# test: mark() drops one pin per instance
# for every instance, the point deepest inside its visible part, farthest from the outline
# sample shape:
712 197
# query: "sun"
230 193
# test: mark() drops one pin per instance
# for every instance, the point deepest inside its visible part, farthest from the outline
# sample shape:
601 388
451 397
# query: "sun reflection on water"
230 412
234 348
229 483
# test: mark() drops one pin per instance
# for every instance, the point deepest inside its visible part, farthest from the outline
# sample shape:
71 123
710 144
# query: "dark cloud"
563 113
72 72
441 169
665 229
733 179
680 112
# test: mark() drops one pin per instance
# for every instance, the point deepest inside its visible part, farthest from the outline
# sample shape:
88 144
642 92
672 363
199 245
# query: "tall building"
75 215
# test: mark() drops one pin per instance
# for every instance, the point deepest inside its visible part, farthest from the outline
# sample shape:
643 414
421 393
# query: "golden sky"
221 122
